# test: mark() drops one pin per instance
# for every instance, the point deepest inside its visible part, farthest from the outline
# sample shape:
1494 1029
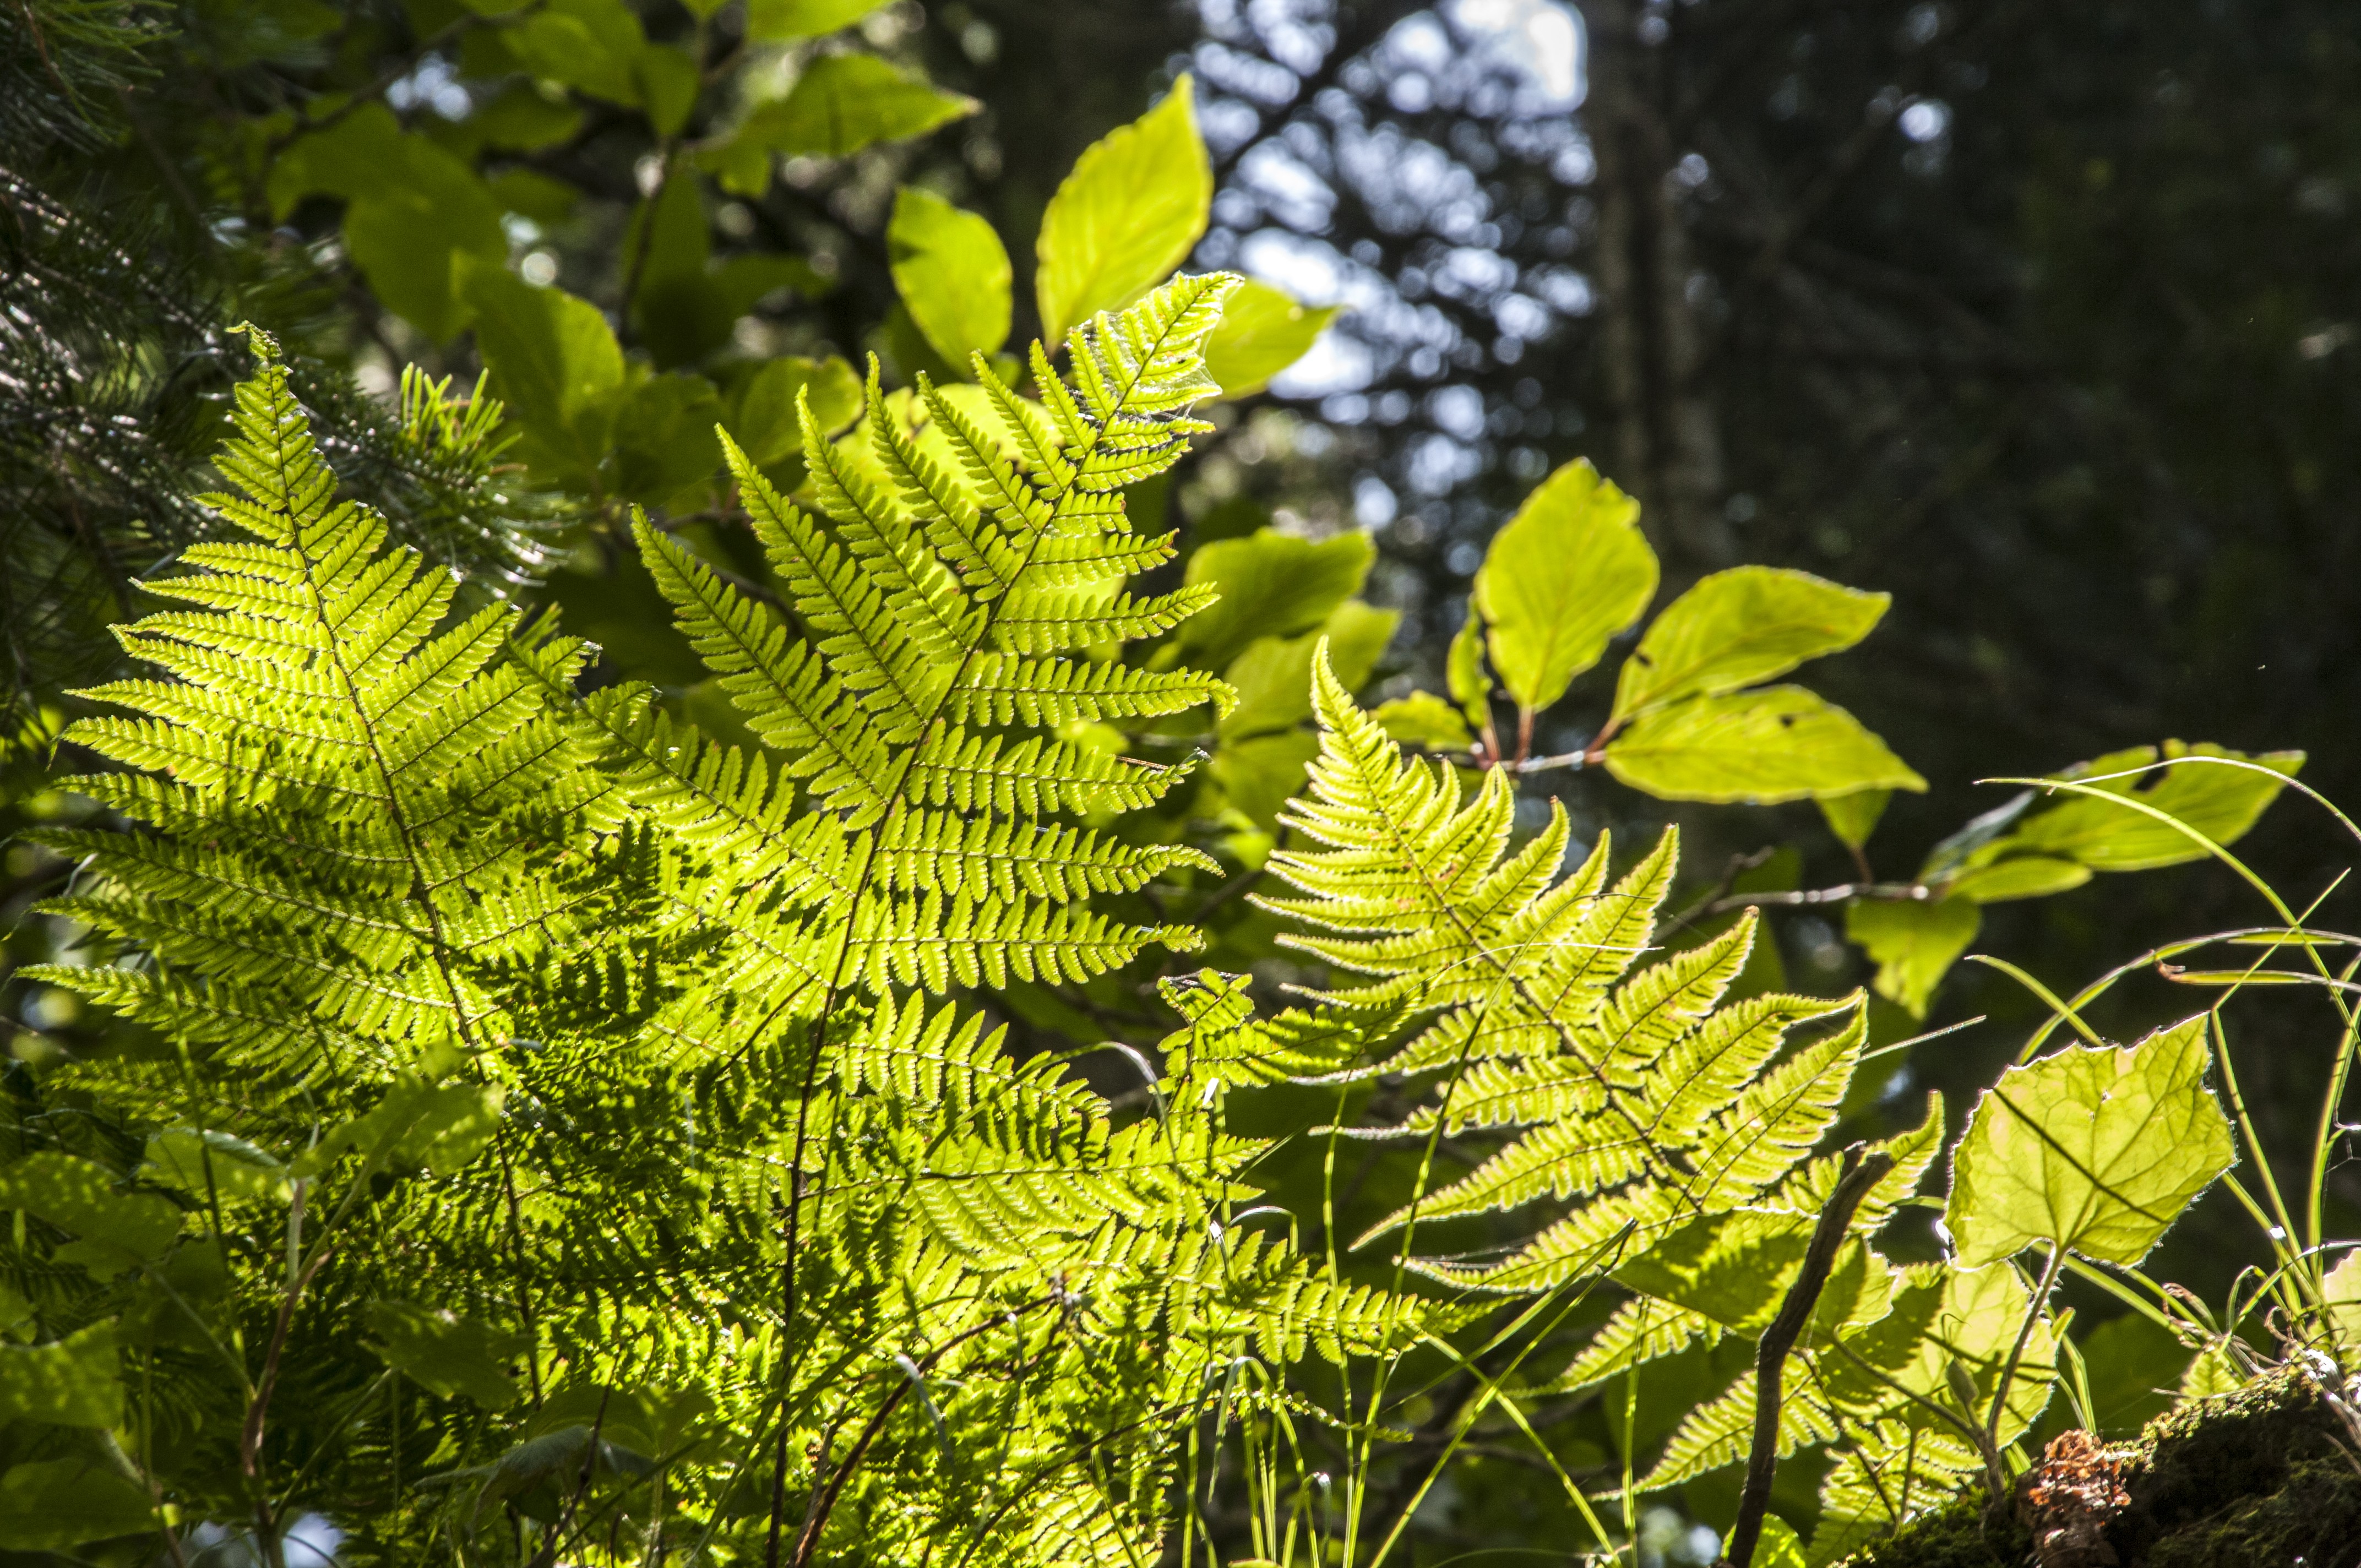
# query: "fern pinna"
1670 1135
546 1145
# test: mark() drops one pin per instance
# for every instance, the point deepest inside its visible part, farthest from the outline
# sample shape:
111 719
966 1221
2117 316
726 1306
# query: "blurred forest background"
2042 319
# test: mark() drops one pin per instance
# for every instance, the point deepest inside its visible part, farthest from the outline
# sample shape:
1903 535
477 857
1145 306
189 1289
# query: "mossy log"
2268 1477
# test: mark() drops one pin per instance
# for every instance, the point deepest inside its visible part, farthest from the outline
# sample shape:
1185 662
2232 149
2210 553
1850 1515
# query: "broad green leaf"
17 1320
1739 627
1913 943
445 1352
591 45
2220 802
1273 676
415 212
1772 744
344 160
1126 218
1567 573
761 419
113 1231
782 21
69 1382
1273 584
2211 1374
533 196
843 103
953 275
1464 671
56 1503
665 438
1424 720
2094 1150
201 1162
556 363
668 82
1258 775
2340 1297
1984 1311
1854 818
415 1125
2020 876
1941 1316
522 119
1262 332
1778 1546
1733 1266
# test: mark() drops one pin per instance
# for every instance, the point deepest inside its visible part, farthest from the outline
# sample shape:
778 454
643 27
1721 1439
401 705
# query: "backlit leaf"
763 418
1567 573
2095 1150
1774 743
2218 801
1273 584
1854 818
1273 676
2020 876
1914 943
953 275
1262 332
1739 627
556 363
1126 218
1424 720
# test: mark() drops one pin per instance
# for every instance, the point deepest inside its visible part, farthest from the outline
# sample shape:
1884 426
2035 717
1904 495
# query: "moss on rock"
2263 1478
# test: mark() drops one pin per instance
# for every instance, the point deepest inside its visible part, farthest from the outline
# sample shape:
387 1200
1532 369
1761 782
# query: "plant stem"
1862 1171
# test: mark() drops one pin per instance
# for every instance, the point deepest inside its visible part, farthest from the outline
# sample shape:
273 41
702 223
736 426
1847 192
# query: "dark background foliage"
2035 319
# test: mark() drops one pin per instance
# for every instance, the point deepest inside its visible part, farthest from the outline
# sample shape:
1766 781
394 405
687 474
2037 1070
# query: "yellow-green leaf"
1567 573
781 21
763 416
1732 1266
2219 801
1471 684
1739 627
2340 1295
1273 584
1913 944
1126 218
1273 676
2095 1150
1776 743
1854 818
953 275
2020 876
1424 720
1262 332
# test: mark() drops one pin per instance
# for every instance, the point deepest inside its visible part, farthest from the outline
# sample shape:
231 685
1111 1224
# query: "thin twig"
1862 1171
